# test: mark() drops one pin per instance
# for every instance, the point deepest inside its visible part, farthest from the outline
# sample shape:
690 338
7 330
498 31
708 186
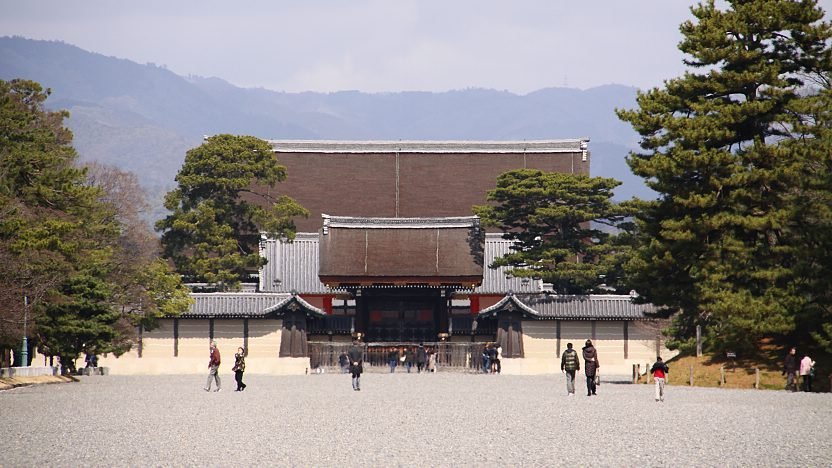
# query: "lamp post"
24 350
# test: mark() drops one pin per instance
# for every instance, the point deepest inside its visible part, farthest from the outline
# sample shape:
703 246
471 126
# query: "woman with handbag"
239 368
591 367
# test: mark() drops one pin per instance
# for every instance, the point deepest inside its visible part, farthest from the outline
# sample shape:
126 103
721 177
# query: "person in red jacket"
213 366
659 371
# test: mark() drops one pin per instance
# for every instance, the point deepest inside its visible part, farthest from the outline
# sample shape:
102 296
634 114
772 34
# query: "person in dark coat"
659 371
393 359
408 358
421 358
591 367
790 367
344 362
356 355
239 368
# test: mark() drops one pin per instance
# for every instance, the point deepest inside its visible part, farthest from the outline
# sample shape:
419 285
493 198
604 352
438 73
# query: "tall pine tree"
720 245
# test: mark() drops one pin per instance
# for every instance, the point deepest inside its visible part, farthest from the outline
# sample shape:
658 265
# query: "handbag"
597 380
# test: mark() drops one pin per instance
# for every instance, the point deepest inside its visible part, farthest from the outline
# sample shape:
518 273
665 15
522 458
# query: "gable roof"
248 305
573 307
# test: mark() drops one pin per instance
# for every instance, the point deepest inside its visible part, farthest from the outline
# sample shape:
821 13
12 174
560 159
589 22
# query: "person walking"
421 358
790 368
408 358
659 371
344 362
213 367
393 359
486 364
807 369
239 368
356 355
591 367
569 364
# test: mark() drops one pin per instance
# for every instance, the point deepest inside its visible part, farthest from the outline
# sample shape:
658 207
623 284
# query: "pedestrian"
344 362
432 361
790 368
807 372
591 367
498 355
492 358
408 358
239 368
569 364
356 355
213 367
485 362
659 371
421 358
393 359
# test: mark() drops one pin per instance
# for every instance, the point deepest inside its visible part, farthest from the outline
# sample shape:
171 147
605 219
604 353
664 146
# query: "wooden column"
442 313
175 337
557 336
362 313
626 339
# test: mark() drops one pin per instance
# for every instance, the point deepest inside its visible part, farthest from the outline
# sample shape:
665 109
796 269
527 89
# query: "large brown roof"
409 179
433 251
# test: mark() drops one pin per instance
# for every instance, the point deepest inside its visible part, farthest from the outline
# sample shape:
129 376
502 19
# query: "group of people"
491 355
214 361
570 364
792 368
352 361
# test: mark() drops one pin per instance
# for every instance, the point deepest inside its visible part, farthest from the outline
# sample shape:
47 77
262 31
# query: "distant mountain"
144 117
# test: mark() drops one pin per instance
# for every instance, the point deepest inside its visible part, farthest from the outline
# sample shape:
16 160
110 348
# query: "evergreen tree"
222 204
60 238
719 246
555 220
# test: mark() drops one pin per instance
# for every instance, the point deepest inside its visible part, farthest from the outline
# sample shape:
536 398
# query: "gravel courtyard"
406 420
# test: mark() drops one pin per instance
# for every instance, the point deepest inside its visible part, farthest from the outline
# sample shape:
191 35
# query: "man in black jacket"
790 368
569 364
356 355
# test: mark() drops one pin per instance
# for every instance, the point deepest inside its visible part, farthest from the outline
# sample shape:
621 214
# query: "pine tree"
555 221
719 246
61 240
221 206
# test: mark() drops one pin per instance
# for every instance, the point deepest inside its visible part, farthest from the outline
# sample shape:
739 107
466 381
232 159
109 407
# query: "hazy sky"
376 45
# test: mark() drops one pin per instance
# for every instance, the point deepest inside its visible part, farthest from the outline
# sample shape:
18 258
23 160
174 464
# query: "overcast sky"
376 45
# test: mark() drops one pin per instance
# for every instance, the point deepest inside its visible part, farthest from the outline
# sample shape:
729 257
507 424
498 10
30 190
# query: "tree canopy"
556 221
727 147
61 238
222 204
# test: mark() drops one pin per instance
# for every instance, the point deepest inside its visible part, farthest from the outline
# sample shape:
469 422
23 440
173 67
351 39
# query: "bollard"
691 375
757 378
722 375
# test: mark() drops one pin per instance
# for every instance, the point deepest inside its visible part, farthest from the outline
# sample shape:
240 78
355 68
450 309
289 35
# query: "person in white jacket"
806 370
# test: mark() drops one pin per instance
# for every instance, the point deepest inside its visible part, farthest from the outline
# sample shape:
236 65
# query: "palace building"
391 255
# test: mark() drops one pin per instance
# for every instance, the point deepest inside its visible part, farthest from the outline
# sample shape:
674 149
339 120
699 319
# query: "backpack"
570 360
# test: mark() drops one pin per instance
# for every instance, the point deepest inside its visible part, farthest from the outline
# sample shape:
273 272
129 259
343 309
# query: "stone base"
28 371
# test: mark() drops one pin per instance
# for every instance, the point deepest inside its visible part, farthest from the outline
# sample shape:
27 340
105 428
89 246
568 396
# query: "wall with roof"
158 355
542 355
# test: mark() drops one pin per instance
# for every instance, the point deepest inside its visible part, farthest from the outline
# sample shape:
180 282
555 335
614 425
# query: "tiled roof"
352 222
495 280
590 307
293 266
333 146
246 305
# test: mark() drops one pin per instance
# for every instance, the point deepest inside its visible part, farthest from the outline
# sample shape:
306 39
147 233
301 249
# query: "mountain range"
143 117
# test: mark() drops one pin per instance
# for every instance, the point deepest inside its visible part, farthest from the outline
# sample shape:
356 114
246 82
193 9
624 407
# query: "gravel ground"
406 420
